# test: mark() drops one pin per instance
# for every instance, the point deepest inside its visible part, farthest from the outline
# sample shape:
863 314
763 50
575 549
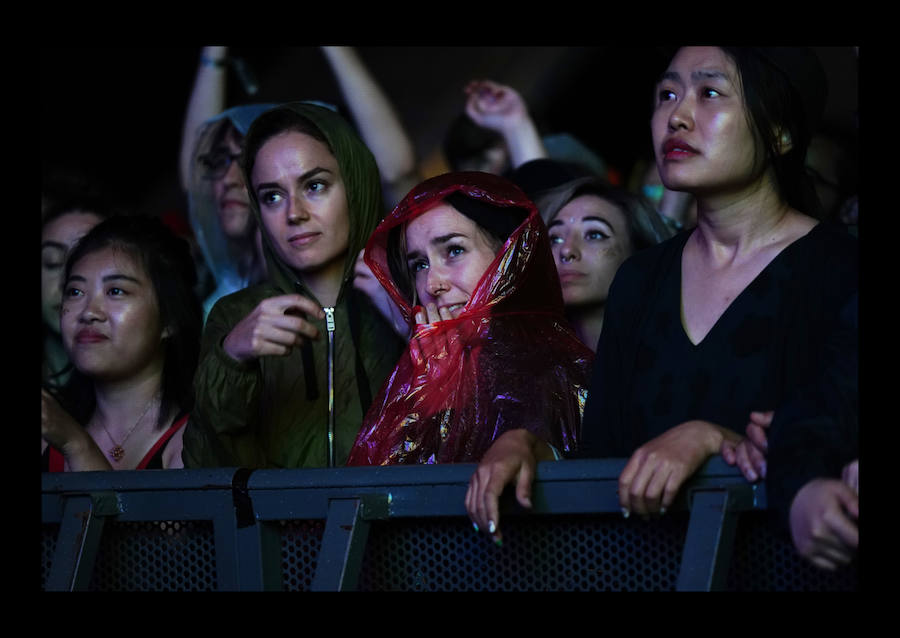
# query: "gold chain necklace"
117 451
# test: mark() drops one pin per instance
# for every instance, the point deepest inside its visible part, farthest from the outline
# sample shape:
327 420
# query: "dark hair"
497 222
73 204
646 227
552 184
167 261
784 92
465 139
91 203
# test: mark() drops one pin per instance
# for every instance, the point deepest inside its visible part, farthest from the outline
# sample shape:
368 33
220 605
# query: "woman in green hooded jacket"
288 367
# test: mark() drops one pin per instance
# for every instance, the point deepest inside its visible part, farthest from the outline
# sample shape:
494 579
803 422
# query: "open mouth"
455 309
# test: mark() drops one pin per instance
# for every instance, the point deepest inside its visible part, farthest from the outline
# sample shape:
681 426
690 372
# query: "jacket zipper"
329 325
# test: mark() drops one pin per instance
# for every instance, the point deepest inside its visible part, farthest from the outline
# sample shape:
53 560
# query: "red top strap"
57 460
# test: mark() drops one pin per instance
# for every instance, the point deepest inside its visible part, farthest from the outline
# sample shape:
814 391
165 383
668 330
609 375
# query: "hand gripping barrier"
405 529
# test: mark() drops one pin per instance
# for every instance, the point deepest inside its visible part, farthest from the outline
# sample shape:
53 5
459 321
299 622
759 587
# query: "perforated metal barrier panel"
568 553
763 559
555 549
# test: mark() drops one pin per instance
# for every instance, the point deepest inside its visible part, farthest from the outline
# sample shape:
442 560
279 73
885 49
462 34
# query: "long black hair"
785 91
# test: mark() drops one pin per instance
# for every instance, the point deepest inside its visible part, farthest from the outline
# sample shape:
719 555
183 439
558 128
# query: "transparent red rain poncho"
509 360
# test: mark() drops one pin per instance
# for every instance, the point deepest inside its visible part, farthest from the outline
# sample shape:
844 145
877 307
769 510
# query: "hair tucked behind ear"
778 113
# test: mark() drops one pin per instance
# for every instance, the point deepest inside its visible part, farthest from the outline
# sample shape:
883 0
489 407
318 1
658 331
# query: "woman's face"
57 239
232 201
302 203
590 240
110 320
447 254
701 134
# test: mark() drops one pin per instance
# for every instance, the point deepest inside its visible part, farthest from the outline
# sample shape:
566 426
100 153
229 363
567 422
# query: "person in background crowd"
593 228
65 222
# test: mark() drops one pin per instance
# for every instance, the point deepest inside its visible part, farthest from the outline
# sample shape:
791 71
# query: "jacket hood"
217 250
522 274
507 360
362 184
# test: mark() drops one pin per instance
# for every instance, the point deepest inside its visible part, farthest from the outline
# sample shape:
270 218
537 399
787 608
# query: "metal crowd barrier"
405 529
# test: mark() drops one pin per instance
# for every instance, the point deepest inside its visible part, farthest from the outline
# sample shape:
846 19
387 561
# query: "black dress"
763 352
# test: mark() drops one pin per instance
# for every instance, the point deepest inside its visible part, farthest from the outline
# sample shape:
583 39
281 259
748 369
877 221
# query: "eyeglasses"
215 164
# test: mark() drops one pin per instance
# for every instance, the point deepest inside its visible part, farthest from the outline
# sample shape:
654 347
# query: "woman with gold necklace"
131 325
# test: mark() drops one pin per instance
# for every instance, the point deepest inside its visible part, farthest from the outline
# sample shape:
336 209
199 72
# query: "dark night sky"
116 113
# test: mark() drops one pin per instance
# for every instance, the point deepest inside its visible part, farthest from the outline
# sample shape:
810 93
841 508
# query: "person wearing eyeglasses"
218 205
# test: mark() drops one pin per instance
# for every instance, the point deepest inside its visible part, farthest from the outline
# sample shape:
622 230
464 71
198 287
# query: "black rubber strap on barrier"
243 505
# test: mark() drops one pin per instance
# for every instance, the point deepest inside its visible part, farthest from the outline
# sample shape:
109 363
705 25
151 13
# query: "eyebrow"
590 218
107 278
435 241
305 176
700 74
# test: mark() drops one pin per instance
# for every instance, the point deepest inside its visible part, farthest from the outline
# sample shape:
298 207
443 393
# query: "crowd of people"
520 307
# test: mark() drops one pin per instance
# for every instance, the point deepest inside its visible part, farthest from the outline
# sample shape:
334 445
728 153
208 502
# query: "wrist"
213 62
77 444
713 436
518 124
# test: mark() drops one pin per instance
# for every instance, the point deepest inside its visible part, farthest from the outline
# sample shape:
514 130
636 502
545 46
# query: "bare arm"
378 122
207 100
60 430
500 108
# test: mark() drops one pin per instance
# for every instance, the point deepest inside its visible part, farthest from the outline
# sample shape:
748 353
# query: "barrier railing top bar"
551 478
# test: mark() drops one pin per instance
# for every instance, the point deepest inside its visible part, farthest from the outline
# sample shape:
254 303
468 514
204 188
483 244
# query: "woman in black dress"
733 317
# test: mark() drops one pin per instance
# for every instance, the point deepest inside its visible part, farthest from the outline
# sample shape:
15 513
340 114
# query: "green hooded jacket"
275 412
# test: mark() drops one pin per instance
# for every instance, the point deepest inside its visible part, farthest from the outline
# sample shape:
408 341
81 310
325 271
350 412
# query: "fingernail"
498 542
492 527
625 512
475 525
662 510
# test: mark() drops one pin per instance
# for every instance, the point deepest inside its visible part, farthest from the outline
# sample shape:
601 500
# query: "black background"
115 113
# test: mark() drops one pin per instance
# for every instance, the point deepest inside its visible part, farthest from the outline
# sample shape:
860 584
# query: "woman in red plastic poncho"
466 258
